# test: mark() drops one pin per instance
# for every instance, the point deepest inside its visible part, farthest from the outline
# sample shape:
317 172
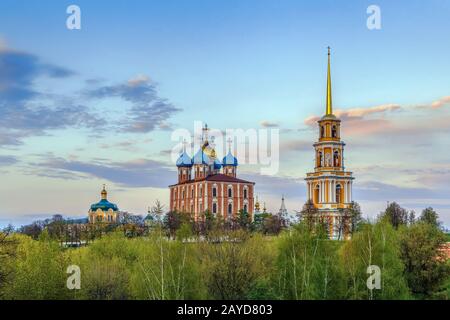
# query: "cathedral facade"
207 184
103 211
329 187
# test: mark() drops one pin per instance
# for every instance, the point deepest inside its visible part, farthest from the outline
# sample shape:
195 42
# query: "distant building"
257 206
207 184
104 211
283 213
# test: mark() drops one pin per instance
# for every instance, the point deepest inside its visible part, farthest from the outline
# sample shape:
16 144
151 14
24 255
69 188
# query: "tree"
272 225
244 219
258 221
39 270
307 265
309 214
396 215
7 252
172 222
431 217
355 216
411 217
374 245
426 267
232 268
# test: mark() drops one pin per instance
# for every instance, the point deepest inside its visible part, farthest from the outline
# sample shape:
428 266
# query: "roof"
184 160
230 160
201 158
217 178
104 205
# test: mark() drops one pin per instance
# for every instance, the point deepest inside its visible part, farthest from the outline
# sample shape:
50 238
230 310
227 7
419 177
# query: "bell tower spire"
329 100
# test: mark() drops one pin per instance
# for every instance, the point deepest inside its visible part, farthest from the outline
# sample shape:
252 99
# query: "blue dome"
230 160
217 164
201 158
184 160
104 205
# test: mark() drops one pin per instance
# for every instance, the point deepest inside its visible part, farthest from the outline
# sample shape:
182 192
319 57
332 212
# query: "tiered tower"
329 187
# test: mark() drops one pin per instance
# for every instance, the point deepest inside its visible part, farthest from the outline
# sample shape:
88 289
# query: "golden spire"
329 102
104 193
257 207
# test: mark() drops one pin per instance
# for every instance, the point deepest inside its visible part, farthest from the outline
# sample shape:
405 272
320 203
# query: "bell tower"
329 187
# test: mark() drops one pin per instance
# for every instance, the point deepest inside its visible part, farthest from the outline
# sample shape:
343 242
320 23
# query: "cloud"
25 111
269 124
374 190
362 112
440 103
356 113
134 173
7 160
148 111
295 145
291 187
18 70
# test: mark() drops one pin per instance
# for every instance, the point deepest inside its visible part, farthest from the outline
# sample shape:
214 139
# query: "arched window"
317 194
319 160
230 192
338 193
333 132
192 192
322 131
214 208
200 191
245 208
214 192
336 159
230 208
245 193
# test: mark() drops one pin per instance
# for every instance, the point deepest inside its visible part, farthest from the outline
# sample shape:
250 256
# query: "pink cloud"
440 103
362 112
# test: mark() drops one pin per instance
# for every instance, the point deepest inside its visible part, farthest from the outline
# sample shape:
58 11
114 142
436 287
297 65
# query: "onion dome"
230 160
201 158
104 204
217 164
184 160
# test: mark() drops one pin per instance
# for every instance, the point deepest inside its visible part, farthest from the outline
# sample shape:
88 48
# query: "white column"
332 156
347 192
330 190
351 192
307 191
205 204
238 199
333 191
223 210
321 191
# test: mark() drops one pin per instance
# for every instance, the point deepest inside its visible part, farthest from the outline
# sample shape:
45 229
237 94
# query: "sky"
80 108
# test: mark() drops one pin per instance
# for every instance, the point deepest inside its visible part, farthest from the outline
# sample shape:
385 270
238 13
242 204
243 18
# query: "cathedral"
207 184
329 187
104 211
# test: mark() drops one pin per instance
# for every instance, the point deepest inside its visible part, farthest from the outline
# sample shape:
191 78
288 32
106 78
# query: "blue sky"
69 122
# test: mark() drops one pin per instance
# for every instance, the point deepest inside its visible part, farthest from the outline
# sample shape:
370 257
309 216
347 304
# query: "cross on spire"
229 141
205 133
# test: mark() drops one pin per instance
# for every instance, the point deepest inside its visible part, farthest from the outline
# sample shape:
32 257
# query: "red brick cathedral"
207 184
